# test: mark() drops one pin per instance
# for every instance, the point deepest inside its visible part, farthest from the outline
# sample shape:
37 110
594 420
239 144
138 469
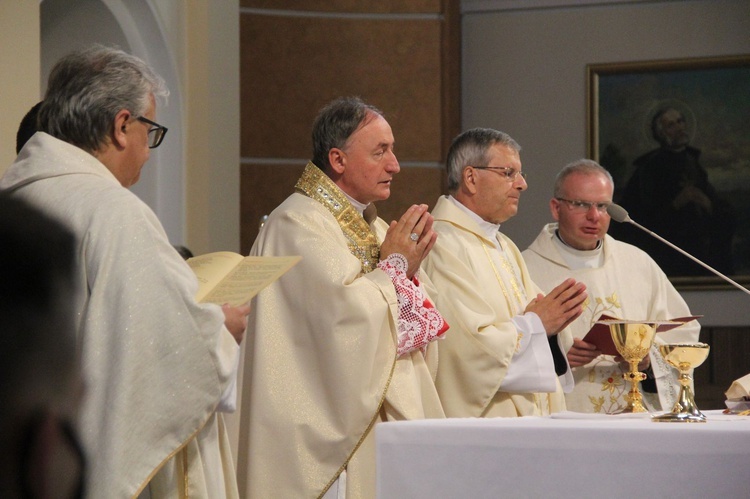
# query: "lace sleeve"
419 322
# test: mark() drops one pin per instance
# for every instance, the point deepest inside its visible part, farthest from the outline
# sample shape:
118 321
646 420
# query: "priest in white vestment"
344 340
622 281
503 356
156 364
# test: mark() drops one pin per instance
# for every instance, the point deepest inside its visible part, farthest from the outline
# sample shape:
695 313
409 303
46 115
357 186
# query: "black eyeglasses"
585 206
509 173
155 134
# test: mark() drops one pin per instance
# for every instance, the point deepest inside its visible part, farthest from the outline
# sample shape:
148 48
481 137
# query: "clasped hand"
559 307
398 239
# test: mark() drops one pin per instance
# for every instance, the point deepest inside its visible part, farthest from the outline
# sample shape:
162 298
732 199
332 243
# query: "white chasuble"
628 285
320 369
483 288
155 362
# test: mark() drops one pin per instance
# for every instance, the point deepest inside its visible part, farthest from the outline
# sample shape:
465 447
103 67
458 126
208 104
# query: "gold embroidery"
539 403
362 244
600 307
609 380
514 278
186 475
361 240
597 403
611 383
515 307
612 300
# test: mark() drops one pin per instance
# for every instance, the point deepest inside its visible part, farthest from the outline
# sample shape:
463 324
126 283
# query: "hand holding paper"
226 277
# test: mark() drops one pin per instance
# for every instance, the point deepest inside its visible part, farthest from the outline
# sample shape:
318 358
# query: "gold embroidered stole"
516 306
519 294
362 244
361 240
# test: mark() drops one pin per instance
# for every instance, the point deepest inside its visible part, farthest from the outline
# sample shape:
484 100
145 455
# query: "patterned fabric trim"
419 322
361 240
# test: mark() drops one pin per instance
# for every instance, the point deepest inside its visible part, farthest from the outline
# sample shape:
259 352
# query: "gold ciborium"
684 356
633 341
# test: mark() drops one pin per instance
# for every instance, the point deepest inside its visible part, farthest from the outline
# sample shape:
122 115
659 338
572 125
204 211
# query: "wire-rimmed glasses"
508 172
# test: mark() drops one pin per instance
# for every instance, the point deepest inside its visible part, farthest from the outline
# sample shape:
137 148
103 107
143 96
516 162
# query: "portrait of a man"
676 139
670 193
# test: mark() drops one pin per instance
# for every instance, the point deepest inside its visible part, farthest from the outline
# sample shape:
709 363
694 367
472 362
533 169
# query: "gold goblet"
633 341
684 356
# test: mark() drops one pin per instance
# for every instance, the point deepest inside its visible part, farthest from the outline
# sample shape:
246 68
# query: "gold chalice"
684 356
633 341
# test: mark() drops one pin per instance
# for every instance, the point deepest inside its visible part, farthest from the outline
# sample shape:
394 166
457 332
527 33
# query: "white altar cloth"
569 455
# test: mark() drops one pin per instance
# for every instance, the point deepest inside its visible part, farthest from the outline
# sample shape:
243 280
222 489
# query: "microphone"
620 214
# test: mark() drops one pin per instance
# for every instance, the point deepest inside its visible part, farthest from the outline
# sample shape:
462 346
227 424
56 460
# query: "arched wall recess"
134 26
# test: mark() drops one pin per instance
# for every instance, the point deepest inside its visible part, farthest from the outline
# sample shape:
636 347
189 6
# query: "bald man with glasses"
504 355
622 281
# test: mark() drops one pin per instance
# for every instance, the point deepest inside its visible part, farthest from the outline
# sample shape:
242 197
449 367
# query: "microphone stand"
619 214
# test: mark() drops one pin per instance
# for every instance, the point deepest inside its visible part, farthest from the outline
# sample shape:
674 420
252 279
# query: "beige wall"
19 70
296 56
524 72
212 141
203 42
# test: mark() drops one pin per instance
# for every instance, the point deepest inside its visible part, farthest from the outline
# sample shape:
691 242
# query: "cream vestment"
155 362
483 288
321 368
628 285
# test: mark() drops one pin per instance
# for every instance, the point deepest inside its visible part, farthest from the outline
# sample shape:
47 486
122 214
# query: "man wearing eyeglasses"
503 356
622 281
156 364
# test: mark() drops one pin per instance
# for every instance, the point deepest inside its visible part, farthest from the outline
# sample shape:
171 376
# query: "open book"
227 277
601 336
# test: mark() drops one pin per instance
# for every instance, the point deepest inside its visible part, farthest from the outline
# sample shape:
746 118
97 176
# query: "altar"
568 455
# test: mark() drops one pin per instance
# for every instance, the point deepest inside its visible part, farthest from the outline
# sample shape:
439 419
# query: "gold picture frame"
675 135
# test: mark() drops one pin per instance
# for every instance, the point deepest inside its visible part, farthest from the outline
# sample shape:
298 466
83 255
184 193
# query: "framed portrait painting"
675 135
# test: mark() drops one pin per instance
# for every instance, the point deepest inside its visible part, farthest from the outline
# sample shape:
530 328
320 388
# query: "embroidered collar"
361 240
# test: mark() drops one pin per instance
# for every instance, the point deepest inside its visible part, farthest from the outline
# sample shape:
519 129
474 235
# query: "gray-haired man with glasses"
622 281
157 365
503 356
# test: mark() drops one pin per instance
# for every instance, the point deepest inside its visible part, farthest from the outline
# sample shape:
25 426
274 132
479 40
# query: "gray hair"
582 166
87 89
335 123
470 148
